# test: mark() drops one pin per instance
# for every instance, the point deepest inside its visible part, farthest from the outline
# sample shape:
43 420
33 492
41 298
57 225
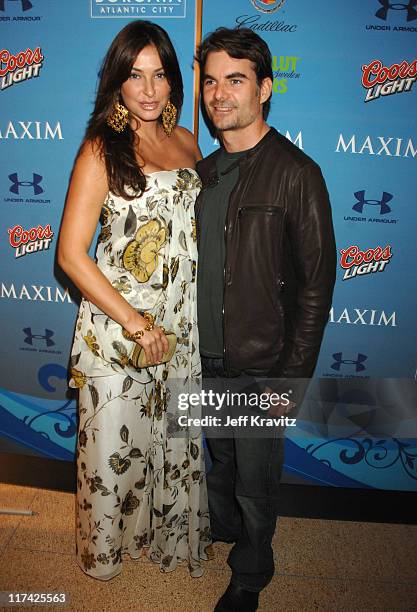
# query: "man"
266 274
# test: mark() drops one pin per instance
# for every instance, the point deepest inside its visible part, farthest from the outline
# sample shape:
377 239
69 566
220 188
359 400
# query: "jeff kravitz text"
240 421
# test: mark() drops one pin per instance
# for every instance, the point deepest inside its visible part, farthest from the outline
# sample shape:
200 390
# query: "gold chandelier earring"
118 119
169 118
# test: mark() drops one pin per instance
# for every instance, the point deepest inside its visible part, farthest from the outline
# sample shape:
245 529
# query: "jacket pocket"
260 242
253 305
256 267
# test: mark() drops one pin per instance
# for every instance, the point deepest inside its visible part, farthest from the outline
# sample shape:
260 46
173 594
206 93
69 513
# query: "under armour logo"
338 361
26 4
35 184
397 6
382 203
31 337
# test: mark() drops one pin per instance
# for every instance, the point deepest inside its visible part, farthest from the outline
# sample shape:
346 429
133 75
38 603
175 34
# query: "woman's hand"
153 339
155 344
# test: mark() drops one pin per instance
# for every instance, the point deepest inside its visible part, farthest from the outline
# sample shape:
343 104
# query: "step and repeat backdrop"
345 93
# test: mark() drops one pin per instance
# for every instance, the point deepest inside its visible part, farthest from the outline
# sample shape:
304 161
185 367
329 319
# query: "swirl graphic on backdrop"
376 454
47 426
267 6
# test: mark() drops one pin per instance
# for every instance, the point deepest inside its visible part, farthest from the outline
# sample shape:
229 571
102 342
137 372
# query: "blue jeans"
243 486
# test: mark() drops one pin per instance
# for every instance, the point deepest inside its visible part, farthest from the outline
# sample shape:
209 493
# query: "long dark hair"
240 43
118 150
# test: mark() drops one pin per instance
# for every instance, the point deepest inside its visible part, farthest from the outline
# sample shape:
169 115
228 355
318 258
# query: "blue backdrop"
344 92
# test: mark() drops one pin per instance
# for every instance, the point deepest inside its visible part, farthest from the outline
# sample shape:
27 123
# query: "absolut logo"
285 68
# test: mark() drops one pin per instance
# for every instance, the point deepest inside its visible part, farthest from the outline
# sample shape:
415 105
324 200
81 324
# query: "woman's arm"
86 195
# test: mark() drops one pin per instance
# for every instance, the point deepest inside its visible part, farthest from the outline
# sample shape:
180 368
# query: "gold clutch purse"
138 356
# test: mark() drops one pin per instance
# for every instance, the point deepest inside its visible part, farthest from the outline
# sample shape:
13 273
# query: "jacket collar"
264 140
207 167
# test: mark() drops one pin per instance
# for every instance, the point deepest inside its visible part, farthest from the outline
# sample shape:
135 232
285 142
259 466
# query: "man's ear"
266 89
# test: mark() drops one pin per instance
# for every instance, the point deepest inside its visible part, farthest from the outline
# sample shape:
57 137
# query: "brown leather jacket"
280 259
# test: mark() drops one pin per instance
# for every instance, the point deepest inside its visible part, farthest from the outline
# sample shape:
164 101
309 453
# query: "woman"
141 487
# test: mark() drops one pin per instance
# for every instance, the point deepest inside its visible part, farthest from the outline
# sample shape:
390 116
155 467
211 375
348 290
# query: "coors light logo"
30 241
358 263
20 67
380 80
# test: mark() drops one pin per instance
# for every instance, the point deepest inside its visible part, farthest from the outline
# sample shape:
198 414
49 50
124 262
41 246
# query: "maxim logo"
34 293
359 263
380 145
31 130
297 140
20 67
380 80
30 241
359 316
387 6
138 8
268 6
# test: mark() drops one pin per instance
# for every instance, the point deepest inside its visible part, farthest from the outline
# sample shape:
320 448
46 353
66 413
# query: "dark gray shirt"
212 254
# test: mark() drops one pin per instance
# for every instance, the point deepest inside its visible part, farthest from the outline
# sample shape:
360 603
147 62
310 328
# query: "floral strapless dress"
141 487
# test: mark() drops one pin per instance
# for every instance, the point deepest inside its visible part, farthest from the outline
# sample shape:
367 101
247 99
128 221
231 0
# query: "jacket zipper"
224 288
268 210
224 269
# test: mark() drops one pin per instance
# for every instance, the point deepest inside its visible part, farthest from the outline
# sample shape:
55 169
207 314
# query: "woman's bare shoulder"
92 150
90 158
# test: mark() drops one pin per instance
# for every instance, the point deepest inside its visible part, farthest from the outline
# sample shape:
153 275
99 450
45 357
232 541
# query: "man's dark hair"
240 43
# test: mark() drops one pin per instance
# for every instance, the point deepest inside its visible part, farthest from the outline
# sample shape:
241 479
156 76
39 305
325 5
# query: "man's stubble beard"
238 123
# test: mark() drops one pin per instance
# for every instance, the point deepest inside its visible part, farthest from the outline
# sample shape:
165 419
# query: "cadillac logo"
267 6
